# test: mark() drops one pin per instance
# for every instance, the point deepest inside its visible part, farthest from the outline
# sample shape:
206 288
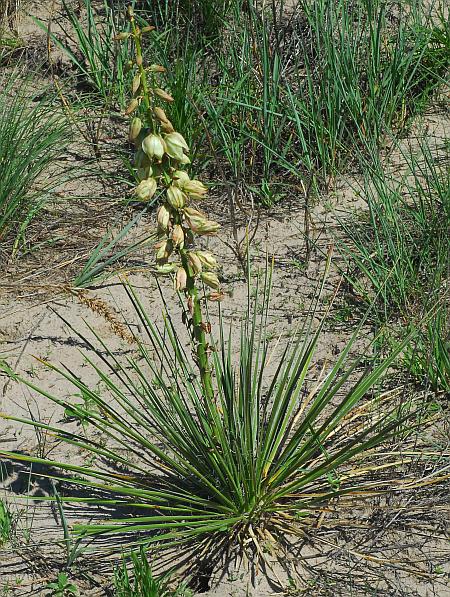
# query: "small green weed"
62 587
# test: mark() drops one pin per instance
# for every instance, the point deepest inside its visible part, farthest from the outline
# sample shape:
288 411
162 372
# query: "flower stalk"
161 154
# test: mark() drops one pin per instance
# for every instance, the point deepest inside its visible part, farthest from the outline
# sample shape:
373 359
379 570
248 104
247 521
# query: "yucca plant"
257 461
236 444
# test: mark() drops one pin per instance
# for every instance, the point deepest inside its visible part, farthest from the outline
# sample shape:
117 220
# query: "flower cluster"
161 154
159 157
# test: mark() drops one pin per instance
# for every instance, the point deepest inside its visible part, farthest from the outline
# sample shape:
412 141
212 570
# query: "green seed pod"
207 259
175 197
132 106
146 189
135 129
210 280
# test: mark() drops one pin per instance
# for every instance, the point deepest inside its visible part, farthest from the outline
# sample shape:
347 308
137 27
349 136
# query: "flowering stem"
160 156
141 69
198 331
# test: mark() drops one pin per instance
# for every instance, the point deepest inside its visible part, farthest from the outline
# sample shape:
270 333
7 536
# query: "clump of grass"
5 523
400 255
139 581
428 358
33 137
101 64
362 77
283 97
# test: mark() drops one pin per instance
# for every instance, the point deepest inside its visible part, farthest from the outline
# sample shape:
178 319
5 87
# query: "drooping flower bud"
195 218
216 296
208 227
194 263
132 106
146 189
175 197
163 218
207 259
167 127
178 236
141 159
154 146
148 28
136 83
164 250
135 129
160 114
175 144
195 189
185 160
163 95
180 279
166 268
179 178
121 36
156 68
210 280
144 173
